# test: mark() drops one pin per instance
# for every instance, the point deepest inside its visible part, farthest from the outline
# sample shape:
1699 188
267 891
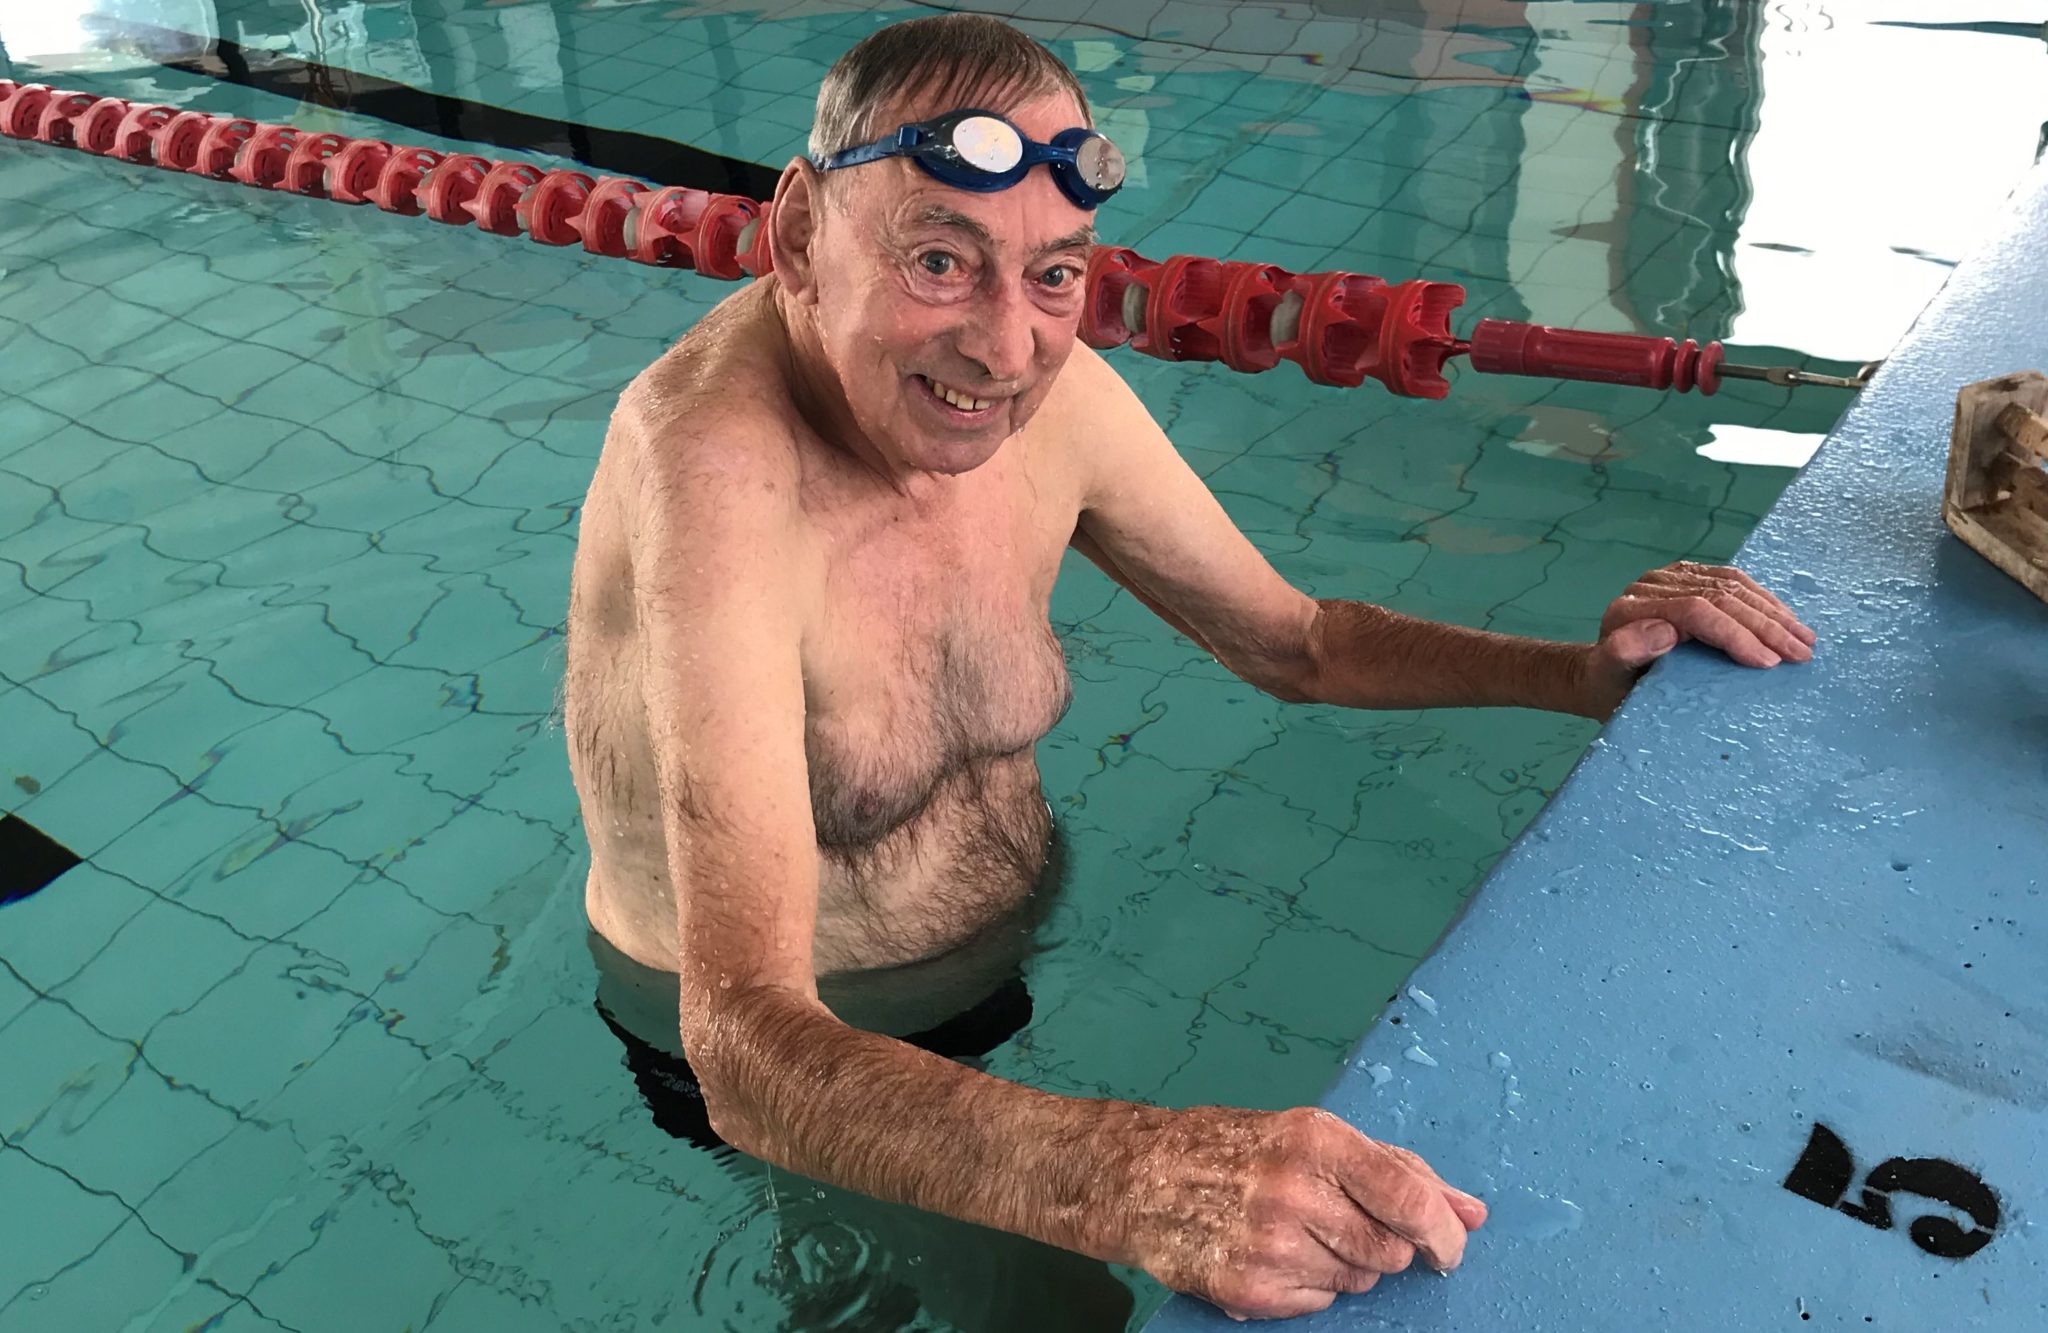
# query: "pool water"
288 496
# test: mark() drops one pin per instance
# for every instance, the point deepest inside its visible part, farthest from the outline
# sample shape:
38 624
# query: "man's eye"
936 262
1058 276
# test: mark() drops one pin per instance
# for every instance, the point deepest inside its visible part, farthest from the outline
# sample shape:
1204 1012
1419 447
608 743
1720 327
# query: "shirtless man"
809 660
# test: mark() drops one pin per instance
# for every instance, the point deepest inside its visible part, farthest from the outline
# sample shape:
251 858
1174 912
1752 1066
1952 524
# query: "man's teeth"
958 399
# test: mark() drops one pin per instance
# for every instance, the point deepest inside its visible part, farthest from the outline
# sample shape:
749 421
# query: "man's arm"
1152 525
716 542
1215 1200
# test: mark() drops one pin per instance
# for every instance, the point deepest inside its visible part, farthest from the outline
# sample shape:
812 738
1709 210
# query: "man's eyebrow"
1081 238
938 215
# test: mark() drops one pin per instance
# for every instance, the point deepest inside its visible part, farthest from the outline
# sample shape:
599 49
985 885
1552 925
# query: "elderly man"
809 661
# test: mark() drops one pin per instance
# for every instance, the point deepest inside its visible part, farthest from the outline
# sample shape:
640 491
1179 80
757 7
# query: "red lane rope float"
1340 328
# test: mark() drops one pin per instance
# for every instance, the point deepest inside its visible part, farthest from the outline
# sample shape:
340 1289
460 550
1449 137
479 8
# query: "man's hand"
1713 604
1273 1213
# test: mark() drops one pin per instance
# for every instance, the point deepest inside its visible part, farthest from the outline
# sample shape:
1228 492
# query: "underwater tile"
161 961
256 768
212 1205
241 311
23 424
365 1232
384 707
80 393
57 1067
124 1277
285 655
305 393
371 499
15 997
266 881
367 1081
98 801
42 745
476 1307
32 297
447 988
32 357
231 372
373 930
371 806
250 1034
97 322
463 865
470 626
174 839
49 1221
144 1132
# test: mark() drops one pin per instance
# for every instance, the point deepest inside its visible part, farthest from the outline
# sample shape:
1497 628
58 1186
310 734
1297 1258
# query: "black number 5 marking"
1825 1171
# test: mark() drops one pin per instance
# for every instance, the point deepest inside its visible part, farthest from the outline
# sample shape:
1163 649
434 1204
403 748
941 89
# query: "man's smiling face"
947 314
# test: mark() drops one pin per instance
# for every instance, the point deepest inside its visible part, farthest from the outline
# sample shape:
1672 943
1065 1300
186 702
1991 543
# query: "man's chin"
955 456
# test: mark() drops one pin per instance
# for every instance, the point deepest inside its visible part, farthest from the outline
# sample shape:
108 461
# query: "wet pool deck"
1768 970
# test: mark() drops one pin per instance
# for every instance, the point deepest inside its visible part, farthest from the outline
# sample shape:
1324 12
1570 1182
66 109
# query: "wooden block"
2025 428
1996 498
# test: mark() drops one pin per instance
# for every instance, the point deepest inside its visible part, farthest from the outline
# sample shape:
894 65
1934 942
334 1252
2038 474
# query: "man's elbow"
1288 681
1285 666
740 1045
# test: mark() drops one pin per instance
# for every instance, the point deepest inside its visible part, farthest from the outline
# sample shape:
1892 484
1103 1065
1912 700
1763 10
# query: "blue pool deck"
1770 919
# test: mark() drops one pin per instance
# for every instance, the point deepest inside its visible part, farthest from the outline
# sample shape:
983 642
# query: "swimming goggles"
981 151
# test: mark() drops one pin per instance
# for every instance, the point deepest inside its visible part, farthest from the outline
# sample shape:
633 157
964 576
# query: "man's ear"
794 225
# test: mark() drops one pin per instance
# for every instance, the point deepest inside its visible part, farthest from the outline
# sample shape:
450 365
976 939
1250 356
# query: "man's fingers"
1739 622
1471 1209
1408 1202
1284 1305
1359 1242
1758 617
1359 1281
1703 620
1726 579
1785 612
1775 625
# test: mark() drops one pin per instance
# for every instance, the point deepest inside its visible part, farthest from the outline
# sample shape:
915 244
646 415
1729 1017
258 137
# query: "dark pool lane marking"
618 152
29 859
1826 1170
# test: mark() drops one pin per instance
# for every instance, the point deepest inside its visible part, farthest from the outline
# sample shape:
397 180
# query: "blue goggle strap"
901 144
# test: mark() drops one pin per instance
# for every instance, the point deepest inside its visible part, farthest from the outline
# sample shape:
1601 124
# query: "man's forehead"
991 220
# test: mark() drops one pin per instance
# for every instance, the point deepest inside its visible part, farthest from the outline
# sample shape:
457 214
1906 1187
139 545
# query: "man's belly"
963 869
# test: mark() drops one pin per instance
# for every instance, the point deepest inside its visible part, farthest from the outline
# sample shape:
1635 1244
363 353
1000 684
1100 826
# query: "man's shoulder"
707 418
1088 392
1092 415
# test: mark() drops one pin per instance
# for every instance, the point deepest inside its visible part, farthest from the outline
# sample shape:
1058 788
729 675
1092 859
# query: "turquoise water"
288 496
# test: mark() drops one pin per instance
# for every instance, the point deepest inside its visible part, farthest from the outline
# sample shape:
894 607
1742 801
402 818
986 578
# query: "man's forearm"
1366 656
795 1087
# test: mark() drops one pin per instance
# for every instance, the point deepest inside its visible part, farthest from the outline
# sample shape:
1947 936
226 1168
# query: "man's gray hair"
950 57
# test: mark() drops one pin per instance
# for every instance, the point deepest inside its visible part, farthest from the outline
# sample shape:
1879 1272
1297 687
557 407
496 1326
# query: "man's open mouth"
961 402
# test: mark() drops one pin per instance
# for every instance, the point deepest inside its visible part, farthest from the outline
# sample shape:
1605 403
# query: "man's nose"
1000 333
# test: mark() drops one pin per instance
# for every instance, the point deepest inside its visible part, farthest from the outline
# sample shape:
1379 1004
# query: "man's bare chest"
928 652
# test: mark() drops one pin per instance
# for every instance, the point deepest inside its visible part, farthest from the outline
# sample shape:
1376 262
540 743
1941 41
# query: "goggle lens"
1100 163
988 144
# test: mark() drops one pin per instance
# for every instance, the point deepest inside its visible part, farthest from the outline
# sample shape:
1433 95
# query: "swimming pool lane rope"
1340 328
